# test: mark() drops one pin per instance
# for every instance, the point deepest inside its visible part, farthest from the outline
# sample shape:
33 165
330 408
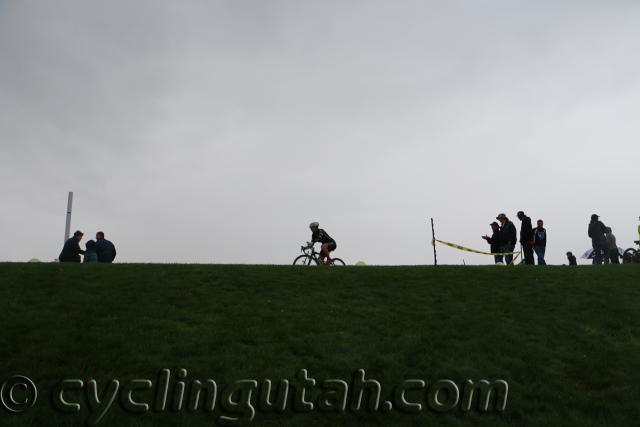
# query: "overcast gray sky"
215 131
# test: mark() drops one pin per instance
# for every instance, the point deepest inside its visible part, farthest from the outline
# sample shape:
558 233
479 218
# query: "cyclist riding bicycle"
328 244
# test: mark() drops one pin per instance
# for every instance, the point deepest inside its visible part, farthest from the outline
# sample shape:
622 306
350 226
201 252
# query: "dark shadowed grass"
565 339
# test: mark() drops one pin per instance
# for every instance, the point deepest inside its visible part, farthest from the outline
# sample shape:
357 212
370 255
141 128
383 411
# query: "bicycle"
311 257
632 255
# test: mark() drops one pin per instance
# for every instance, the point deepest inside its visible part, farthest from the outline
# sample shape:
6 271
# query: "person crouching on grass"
71 251
328 244
495 242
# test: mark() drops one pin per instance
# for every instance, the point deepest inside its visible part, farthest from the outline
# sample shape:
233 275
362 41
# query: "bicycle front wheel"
337 261
305 260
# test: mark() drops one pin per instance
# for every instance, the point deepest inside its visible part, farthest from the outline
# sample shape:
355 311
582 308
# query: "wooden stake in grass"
433 242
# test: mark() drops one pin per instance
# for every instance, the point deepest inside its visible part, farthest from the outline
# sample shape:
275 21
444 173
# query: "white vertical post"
67 228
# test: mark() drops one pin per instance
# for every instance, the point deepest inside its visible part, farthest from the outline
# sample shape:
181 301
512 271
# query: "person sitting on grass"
328 244
572 259
104 248
90 255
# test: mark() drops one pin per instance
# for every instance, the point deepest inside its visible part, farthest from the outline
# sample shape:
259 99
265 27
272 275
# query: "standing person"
328 244
612 245
598 239
71 250
105 250
572 259
90 254
495 242
540 242
526 238
507 237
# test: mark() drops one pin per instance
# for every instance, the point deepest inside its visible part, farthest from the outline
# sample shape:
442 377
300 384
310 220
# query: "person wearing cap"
71 250
328 244
596 232
526 238
508 236
540 242
572 259
495 242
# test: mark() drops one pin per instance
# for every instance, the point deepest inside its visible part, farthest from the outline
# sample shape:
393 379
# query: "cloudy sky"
215 131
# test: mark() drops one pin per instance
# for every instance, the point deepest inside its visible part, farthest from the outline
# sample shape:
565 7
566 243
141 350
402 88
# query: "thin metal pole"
67 228
433 242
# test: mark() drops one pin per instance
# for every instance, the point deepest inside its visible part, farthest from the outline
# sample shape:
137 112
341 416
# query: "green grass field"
566 340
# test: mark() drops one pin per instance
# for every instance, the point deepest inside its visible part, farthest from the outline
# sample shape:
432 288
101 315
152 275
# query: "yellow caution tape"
462 248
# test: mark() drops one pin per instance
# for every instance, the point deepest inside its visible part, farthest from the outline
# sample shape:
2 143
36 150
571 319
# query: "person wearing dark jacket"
495 242
572 259
599 242
90 254
105 250
507 237
540 242
612 247
71 250
526 238
328 243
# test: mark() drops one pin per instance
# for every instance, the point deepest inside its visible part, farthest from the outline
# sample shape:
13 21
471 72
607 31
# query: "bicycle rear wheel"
628 256
305 260
337 261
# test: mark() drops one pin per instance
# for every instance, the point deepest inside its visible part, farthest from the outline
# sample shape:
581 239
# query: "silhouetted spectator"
90 254
105 249
526 238
495 242
572 259
71 250
598 239
508 237
540 242
613 255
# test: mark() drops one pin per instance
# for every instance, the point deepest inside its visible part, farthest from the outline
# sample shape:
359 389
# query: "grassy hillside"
566 340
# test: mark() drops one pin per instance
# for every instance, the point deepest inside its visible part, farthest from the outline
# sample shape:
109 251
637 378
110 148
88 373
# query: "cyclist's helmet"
314 225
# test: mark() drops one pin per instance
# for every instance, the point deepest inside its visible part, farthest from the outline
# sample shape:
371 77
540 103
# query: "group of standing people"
603 241
504 238
99 250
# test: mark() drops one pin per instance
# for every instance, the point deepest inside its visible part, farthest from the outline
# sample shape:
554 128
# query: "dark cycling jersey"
321 236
